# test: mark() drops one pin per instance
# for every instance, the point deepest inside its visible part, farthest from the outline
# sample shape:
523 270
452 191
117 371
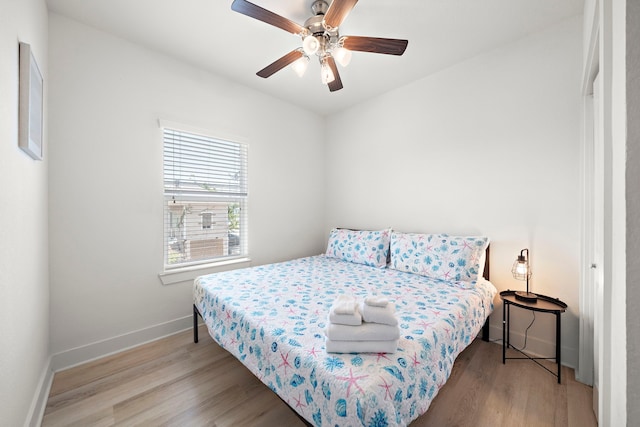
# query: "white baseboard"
39 403
86 353
537 347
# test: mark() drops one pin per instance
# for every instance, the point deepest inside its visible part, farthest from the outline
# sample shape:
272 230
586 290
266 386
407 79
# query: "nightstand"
543 304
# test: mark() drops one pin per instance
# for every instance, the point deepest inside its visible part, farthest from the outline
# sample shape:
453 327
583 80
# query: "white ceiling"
208 34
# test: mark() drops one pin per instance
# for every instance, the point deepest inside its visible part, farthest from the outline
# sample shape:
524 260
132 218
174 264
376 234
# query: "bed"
272 318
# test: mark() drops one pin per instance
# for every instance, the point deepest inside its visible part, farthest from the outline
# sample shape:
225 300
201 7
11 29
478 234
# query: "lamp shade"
310 45
521 269
300 65
342 55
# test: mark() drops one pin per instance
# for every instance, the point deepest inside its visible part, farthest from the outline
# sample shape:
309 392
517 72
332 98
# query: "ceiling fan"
320 37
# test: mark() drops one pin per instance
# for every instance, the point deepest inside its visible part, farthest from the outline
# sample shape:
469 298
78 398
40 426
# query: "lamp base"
526 296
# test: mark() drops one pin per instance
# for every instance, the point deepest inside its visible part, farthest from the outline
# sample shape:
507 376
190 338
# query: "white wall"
24 271
489 146
106 180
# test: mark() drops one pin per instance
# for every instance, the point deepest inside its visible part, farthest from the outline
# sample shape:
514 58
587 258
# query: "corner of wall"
39 403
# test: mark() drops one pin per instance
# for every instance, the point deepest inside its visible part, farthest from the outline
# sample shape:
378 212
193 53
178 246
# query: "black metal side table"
544 304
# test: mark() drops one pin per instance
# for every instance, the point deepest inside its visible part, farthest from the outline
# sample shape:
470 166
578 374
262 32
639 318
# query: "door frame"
585 370
598 42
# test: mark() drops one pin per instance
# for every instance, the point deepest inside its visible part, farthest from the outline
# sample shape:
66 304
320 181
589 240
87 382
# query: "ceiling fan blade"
338 10
375 45
279 64
336 84
254 11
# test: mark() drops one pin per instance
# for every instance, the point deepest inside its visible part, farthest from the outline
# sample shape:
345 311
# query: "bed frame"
485 274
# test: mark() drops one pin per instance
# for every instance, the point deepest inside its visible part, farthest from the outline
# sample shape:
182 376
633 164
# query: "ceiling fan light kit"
300 65
310 45
320 37
342 55
326 74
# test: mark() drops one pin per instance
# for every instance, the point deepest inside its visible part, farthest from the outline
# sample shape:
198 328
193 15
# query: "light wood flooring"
176 382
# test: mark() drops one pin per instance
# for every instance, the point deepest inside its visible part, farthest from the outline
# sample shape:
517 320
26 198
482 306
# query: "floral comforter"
272 318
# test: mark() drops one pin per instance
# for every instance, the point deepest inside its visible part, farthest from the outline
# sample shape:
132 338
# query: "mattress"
272 318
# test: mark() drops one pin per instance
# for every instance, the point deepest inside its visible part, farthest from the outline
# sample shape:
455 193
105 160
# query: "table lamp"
522 271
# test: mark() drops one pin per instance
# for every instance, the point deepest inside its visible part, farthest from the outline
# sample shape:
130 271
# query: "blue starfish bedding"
272 318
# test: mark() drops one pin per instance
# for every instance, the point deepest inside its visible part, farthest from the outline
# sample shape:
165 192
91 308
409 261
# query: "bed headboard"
486 264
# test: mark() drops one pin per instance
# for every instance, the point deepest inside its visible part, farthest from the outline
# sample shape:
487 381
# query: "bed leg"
195 323
485 331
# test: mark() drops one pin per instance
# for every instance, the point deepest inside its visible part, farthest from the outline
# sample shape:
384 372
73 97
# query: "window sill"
186 274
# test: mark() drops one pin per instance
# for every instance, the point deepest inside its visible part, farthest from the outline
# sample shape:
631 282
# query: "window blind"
205 189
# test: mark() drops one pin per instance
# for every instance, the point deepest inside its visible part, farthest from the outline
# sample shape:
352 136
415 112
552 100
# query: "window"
206 220
205 199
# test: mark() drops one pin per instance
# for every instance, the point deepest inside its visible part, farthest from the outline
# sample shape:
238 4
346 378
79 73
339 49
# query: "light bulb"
522 268
310 45
342 55
300 65
326 74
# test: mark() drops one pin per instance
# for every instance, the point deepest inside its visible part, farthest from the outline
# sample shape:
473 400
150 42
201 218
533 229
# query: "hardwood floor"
178 383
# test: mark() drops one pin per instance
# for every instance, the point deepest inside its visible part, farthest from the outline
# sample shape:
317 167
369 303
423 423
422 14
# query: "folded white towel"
344 304
376 301
361 346
385 315
364 332
354 319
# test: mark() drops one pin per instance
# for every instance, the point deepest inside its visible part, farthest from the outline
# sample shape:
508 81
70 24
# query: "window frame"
216 198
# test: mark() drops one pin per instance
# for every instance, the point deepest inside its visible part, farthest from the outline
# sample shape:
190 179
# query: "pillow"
359 246
439 256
